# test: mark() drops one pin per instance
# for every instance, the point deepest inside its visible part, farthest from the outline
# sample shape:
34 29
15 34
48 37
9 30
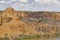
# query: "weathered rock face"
8 13
9 10
16 23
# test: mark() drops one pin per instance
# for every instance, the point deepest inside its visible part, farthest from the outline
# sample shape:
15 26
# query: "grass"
29 38
39 37
34 37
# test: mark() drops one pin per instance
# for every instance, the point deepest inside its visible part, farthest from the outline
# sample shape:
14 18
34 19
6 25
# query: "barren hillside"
14 23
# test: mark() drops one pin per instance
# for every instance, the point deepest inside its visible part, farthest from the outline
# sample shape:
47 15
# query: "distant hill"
14 23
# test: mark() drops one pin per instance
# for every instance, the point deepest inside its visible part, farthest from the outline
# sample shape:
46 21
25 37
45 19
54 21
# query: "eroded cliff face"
14 23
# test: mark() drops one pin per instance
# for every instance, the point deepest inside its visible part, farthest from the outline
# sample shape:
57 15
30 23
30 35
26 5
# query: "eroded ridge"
14 23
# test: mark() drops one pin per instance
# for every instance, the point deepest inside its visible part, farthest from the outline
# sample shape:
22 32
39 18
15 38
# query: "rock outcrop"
14 23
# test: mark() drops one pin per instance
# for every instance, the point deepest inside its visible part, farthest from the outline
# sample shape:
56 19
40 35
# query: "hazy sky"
31 5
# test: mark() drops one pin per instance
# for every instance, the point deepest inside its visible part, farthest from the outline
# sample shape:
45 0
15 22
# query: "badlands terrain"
14 23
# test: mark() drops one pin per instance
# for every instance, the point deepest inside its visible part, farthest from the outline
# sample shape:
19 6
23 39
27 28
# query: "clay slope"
14 23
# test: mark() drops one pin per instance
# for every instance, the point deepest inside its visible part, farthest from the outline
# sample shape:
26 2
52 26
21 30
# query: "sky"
31 5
